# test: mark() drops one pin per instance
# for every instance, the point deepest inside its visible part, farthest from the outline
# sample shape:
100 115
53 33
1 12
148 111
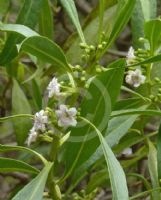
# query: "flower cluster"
133 78
65 116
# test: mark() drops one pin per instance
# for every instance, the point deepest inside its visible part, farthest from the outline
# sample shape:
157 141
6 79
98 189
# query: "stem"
53 187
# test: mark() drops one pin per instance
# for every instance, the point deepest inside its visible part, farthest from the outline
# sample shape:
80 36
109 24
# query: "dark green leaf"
45 50
20 105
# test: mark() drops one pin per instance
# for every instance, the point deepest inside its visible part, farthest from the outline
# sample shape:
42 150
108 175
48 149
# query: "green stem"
53 187
16 116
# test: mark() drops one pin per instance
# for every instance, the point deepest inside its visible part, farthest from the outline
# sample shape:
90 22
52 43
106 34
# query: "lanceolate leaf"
19 29
11 165
83 141
117 128
34 190
72 12
28 16
45 50
116 173
20 105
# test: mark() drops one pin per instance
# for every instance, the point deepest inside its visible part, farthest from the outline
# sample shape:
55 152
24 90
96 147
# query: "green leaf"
90 31
45 50
123 16
34 190
46 21
159 153
152 31
152 164
116 173
20 105
144 10
117 129
101 18
136 111
152 59
8 148
83 141
142 194
37 96
72 12
28 16
19 29
12 165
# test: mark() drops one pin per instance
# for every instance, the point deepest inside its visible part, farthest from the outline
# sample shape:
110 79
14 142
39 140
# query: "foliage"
80 113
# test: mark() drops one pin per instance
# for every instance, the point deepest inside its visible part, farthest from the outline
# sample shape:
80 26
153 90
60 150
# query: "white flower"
127 152
53 88
135 78
66 117
130 55
32 136
41 119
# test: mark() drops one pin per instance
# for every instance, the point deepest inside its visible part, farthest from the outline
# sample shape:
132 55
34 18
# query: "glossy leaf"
45 50
9 148
46 23
12 165
20 105
34 190
83 141
72 12
28 16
